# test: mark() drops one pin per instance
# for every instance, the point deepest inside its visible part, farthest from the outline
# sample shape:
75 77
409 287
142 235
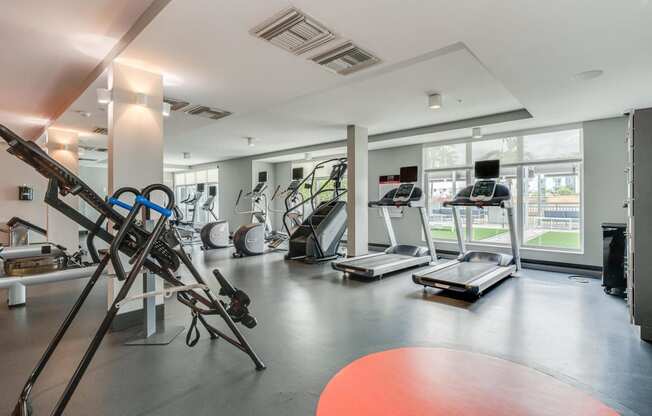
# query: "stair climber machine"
278 239
157 250
398 256
318 237
23 264
476 271
215 234
250 239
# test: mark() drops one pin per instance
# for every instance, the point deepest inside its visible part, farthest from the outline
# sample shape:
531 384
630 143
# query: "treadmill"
475 271
398 256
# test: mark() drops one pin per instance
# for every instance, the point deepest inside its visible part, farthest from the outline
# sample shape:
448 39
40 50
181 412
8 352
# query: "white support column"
357 148
135 144
62 147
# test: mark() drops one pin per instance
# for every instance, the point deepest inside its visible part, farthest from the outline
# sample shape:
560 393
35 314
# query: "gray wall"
389 162
604 190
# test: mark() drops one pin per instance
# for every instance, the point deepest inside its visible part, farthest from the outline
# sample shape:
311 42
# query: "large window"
185 185
544 173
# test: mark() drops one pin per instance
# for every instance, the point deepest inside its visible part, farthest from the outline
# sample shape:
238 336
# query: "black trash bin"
614 248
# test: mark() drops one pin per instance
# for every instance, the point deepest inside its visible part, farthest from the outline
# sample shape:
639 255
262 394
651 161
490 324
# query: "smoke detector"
293 31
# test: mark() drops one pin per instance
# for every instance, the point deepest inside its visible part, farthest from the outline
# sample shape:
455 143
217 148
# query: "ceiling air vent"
346 59
175 104
293 31
101 130
207 112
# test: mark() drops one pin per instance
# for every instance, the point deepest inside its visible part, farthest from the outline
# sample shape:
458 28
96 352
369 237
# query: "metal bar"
388 226
512 164
222 312
110 315
428 234
458 231
62 329
516 252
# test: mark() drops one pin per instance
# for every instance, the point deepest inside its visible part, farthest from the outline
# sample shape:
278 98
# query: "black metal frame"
145 249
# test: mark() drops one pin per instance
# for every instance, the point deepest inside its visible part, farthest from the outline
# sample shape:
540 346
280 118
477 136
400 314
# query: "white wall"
14 173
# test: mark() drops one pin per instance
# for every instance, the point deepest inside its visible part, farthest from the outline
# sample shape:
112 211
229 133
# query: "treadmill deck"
379 264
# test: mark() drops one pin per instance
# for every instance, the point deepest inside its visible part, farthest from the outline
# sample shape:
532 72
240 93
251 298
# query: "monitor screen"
404 191
297 174
259 187
262 176
409 174
200 187
487 169
212 190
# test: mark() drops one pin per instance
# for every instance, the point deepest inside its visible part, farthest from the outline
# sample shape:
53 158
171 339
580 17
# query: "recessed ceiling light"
476 133
588 75
308 156
186 155
434 101
250 142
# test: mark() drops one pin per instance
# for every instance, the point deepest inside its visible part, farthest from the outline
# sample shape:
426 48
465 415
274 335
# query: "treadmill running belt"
375 261
461 273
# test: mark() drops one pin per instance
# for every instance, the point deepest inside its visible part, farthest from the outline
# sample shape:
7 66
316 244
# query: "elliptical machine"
215 234
249 239
292 220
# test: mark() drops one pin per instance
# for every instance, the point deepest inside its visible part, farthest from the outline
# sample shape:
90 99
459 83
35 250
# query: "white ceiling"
494 56
48 49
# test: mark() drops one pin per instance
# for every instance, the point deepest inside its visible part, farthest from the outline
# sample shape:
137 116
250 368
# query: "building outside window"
185 186
543 171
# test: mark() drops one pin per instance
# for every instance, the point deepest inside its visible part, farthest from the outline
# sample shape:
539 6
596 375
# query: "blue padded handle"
149 204
116 201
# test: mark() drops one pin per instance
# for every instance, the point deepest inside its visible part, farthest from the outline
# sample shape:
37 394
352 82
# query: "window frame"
521 183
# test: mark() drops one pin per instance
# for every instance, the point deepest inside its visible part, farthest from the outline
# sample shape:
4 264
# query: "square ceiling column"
135 123
357 149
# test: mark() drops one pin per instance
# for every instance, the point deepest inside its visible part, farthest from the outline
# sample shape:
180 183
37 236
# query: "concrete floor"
312 322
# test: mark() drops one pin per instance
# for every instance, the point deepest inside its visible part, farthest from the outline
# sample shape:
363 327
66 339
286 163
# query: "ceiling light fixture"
308 156
250 142
167 107
103 96
476 133
434 101
588 75
186 155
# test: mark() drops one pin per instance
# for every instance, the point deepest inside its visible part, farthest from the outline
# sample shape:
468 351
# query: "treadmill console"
483 190
259 188
404 192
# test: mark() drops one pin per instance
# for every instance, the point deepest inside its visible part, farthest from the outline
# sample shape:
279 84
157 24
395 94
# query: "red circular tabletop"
438 381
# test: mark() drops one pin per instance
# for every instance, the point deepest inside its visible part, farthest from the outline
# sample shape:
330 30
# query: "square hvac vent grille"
346 59
175 104
207 112
101 130
293 31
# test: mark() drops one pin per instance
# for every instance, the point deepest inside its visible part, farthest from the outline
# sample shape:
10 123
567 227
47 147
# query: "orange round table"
438 381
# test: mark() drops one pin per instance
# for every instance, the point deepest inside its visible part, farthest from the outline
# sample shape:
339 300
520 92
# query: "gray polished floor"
312 322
